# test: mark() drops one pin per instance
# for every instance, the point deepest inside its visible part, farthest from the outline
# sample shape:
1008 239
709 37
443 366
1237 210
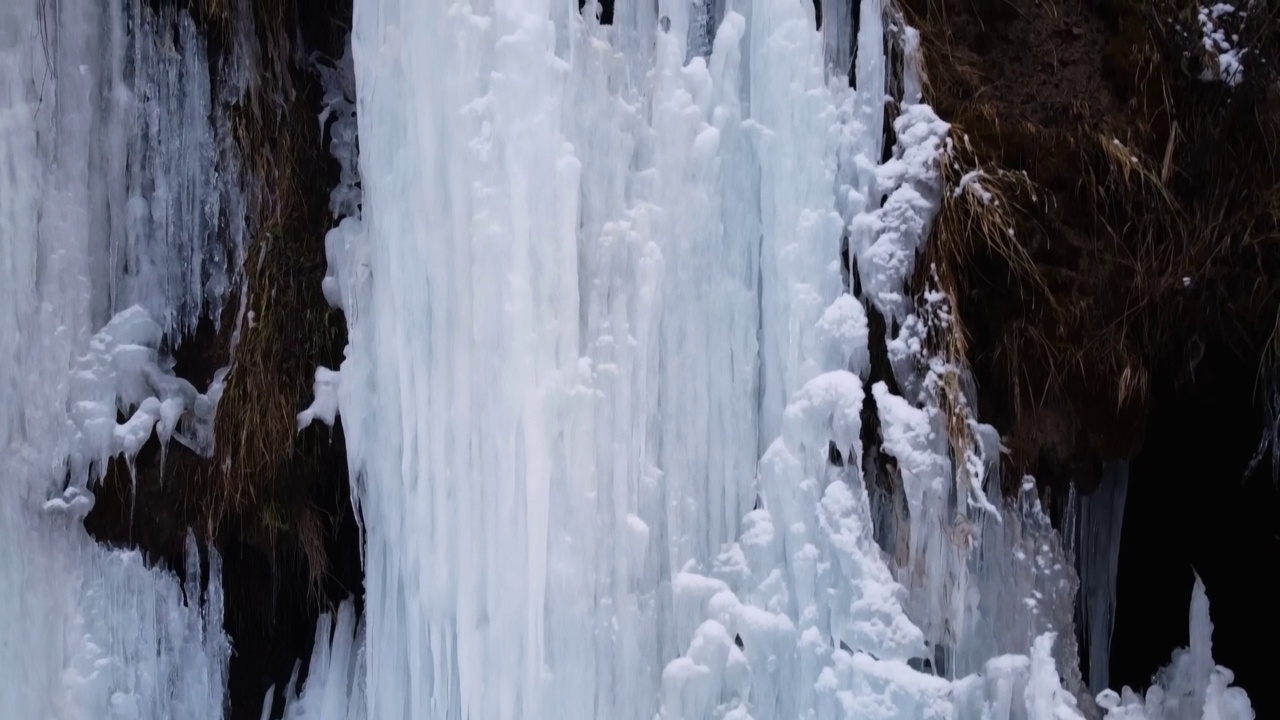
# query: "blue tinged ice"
179 188
1099 518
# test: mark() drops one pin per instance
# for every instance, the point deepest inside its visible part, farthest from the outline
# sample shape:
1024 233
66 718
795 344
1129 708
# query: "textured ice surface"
603 395
122 373
605 390
87 632
180 178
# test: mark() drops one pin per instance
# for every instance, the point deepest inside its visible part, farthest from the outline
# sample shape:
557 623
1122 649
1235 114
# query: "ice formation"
108 188
336 673
606 386
604 389
1192 686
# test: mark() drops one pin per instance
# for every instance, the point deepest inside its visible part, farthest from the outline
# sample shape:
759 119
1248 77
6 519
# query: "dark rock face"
1134 236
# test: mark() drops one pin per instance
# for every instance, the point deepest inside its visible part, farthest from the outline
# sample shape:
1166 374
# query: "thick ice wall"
85 632
551 392
535 350
476 157
707 364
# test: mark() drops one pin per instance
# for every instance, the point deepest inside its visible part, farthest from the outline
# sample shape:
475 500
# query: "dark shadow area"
606 10
1191 508
271 601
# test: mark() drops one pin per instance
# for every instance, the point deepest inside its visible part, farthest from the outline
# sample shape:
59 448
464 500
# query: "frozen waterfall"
605 387
615 432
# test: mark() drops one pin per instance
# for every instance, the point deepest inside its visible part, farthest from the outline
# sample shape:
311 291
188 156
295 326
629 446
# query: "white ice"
601 358
105 176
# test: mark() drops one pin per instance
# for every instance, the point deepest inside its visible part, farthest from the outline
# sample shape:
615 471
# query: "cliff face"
1110 240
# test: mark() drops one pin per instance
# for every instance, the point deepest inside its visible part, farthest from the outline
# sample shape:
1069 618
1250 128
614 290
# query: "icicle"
1191 686
335 678
1101 517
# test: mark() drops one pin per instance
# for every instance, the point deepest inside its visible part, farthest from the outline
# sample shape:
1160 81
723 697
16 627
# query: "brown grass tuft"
1103 208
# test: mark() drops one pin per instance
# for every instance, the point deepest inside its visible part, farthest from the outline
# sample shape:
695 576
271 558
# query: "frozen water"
325 405
87 632
121 373
604 392
607 399
335 679
1190 687
179 186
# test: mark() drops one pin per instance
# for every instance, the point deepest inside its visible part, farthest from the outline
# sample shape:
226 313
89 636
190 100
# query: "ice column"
1190 687
471 354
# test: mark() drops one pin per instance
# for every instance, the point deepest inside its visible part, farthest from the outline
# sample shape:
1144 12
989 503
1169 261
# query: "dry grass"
978 214
264 476
982 208
1083 248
